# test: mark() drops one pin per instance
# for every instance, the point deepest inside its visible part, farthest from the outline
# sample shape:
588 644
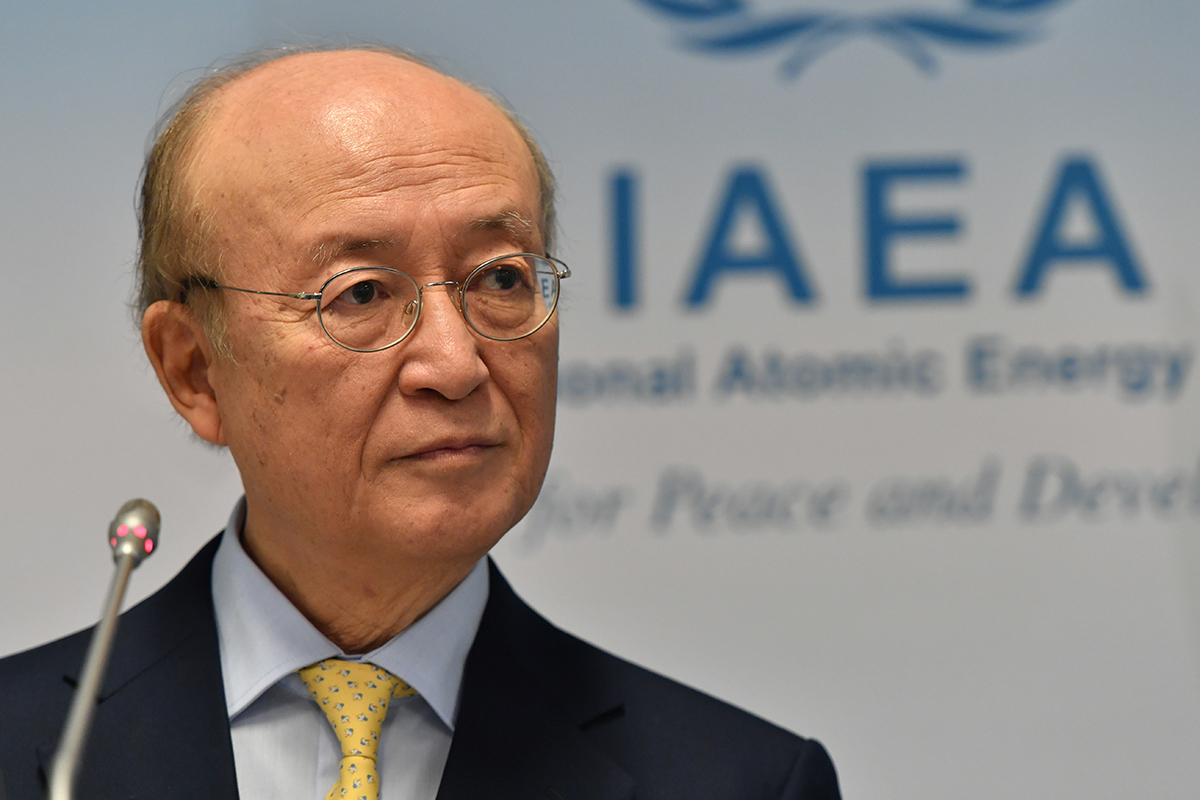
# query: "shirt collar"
264 638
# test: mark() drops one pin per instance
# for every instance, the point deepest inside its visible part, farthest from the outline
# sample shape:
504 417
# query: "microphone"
132 535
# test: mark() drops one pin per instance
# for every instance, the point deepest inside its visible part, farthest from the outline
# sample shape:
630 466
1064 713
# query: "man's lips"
451 447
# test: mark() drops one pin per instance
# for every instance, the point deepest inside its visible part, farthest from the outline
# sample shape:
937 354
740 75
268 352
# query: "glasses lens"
511 296
368 308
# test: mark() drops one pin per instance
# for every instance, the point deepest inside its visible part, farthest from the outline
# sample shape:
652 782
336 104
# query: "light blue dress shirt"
283 746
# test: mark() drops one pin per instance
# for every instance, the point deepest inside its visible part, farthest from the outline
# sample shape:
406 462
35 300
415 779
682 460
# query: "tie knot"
354 696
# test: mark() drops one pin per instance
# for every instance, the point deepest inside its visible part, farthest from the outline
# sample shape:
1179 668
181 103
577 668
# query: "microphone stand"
132 536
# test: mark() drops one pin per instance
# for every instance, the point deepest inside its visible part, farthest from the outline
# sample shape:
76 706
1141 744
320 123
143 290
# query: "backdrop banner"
879 369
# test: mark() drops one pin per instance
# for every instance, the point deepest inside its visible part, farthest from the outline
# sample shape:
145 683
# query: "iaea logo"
734 27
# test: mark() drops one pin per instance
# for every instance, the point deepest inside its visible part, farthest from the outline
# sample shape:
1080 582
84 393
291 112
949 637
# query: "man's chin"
446 526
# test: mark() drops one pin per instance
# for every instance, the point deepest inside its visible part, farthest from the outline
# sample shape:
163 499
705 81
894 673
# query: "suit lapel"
511 738
161 728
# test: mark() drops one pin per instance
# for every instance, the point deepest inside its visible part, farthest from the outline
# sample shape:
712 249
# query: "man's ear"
181 354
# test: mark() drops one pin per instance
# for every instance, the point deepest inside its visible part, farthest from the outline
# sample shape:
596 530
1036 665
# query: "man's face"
431 449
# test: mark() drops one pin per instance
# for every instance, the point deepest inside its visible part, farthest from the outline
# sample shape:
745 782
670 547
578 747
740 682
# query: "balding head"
180 239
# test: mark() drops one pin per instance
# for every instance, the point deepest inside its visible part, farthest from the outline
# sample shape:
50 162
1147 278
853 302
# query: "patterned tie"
354 697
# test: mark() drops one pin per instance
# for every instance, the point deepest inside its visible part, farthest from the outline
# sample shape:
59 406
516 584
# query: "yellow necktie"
354 697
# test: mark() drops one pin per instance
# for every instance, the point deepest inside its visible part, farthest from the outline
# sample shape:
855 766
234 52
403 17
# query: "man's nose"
442 353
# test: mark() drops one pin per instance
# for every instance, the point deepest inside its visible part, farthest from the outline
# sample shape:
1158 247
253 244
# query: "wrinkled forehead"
357 116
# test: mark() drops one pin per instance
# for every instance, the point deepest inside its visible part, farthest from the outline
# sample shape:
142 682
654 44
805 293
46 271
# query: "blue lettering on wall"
1057 488
1079 181
893 371
685 494
623 188
908 501
748 194
1137 371
748 204
662 379
883 227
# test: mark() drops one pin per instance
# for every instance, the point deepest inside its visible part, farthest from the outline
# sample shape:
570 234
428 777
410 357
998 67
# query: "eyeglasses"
367 309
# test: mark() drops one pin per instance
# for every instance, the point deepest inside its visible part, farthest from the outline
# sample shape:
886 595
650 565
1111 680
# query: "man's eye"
501 279
361 293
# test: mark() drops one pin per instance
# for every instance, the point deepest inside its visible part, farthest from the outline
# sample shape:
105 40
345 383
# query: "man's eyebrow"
333 248
510 221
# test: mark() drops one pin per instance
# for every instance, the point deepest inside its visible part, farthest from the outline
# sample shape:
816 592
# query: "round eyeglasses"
367 309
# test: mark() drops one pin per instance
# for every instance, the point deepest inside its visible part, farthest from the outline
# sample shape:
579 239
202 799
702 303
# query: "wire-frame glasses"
367 309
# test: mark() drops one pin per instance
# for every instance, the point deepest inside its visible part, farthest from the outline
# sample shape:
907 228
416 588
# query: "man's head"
299 168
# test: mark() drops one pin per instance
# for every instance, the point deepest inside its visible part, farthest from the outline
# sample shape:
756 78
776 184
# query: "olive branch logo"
733 27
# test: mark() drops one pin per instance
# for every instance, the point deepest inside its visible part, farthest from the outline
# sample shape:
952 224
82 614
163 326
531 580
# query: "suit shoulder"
35 694
668 734
40 681
33 673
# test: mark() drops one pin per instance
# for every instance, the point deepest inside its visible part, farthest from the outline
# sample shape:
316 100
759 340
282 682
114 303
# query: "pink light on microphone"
134 532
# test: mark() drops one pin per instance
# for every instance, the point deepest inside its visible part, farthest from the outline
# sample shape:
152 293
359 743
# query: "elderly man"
345 281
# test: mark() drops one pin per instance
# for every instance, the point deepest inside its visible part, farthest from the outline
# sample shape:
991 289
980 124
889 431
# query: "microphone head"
134 531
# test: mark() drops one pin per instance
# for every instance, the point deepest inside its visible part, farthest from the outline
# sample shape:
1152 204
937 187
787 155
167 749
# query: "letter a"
748 193
1079 179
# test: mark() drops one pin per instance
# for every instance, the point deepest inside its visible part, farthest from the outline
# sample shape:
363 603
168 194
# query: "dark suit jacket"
543 715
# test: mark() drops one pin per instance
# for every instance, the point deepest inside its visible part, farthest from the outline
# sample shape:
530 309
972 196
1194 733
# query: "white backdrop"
946 526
